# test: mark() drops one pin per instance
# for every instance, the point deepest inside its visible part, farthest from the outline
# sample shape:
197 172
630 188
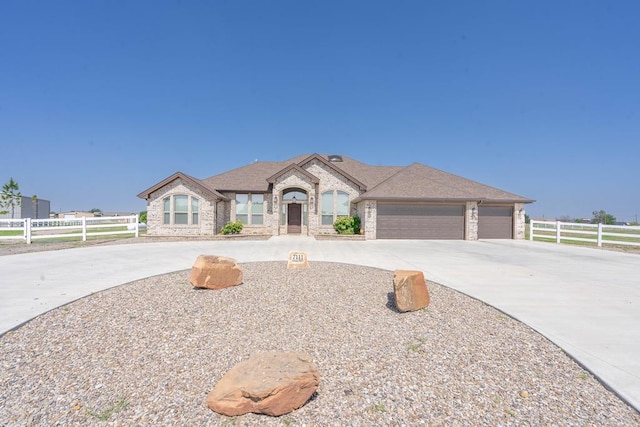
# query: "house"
306 194
29 208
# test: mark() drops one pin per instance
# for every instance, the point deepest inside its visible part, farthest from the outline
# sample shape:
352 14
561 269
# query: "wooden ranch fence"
597 234
28 229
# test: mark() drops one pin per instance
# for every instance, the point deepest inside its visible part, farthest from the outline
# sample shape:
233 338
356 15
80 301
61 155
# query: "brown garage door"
420 221
495 222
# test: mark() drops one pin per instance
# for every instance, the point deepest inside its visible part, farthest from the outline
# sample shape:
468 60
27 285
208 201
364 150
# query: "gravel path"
148 353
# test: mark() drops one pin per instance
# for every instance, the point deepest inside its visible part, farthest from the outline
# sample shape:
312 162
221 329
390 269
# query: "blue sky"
100 100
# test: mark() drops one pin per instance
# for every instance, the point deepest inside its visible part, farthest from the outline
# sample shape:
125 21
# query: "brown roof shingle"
413 182
422 182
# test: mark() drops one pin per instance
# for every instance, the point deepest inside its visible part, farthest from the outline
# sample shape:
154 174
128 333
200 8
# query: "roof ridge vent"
334 158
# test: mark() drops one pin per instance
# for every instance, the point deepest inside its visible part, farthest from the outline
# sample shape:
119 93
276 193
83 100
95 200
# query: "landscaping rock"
410 290
269 383
215 272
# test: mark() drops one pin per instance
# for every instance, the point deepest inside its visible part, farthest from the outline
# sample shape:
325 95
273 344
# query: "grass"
415 346
106 413
74 234
378 407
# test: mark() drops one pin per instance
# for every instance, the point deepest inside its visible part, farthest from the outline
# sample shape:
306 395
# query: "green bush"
356 224
232 228
344 225
143 217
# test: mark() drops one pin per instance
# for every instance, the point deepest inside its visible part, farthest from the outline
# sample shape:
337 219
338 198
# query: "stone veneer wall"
265 227
330 180
471 221
293 179
155 212
370 219
223 213
519 224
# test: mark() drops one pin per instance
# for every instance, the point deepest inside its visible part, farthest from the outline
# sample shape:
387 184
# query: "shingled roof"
421 182
414 182
253 177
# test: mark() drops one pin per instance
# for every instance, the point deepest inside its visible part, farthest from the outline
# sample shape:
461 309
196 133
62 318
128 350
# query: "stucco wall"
155 212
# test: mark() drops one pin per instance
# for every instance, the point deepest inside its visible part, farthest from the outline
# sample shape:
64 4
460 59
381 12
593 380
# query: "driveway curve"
586 301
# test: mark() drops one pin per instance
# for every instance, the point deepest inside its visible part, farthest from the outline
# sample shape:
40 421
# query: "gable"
188 180
295 170
333 167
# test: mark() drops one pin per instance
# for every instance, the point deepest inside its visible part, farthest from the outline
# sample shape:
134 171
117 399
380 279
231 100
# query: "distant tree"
527 219
565 218
602 217
95 210
143 217
10 197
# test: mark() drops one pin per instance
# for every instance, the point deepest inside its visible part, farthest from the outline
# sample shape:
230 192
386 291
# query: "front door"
294 218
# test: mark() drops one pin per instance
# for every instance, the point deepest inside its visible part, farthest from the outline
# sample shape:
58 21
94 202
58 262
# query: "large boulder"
215 272
269 383
410 290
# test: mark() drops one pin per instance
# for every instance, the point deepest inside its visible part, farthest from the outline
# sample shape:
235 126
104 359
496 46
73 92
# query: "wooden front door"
294 218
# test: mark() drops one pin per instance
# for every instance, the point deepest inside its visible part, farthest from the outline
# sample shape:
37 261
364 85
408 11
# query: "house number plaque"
297 260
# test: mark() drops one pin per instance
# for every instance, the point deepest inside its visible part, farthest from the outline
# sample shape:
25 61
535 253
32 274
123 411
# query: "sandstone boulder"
269 383
215 272
410 290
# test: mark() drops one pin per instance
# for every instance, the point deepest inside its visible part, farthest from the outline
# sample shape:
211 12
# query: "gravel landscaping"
147 354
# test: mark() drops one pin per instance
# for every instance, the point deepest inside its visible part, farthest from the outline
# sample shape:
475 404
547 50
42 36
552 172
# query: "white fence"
58 228
598 234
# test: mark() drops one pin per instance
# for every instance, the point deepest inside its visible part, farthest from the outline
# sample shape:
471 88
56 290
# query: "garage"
419 221
495 222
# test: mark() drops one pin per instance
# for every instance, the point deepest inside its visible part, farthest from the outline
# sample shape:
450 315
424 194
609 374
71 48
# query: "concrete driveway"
587 301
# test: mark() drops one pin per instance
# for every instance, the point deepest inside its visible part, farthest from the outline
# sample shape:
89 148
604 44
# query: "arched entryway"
295 209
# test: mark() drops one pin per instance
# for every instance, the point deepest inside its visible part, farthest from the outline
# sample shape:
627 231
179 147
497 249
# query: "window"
305 214
167 210
250 208
194 210
242 208
331 211
180 209
343 204
177 209
257 203
327 208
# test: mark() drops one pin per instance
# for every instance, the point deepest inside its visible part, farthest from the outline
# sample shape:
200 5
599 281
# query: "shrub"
356 224
232 227
344 225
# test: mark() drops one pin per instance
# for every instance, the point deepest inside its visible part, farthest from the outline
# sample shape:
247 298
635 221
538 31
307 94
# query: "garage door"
495 222
420 221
